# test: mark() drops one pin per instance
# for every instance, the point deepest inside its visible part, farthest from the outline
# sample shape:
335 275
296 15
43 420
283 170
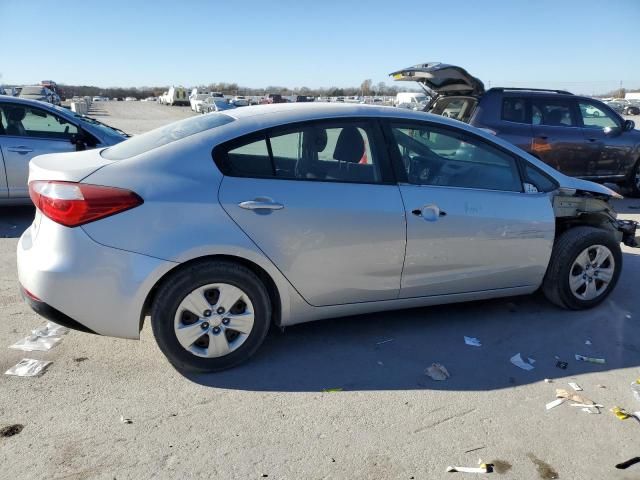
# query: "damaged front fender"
578 207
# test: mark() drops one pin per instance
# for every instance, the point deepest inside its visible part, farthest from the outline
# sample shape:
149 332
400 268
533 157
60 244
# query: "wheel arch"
261 273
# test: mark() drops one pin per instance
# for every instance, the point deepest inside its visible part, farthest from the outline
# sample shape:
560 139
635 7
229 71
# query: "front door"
557 137
318 199
470 227
30 131
608 152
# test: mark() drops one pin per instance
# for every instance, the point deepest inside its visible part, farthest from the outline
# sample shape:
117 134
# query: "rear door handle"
21 149
261 203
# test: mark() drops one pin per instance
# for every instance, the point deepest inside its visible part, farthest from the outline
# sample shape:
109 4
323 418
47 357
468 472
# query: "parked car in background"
579 136
196 101
215 104
177 96
631 108
29 128
40 93
239 101
411 100
130 99
214 272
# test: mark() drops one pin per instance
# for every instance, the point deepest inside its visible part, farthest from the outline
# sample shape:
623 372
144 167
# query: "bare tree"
365 87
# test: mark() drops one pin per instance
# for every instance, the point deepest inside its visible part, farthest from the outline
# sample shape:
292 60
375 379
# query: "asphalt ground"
382 418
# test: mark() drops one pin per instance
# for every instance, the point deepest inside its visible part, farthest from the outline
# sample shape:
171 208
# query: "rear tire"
169 309
567 283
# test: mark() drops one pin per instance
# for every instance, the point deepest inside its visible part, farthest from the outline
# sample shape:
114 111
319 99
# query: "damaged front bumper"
628 229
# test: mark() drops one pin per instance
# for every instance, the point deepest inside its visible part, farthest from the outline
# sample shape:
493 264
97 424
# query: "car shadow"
391 350
15 220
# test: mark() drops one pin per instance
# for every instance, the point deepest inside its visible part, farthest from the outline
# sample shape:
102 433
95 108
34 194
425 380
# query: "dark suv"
578 136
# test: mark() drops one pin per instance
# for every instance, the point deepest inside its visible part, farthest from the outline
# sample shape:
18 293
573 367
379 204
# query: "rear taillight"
73 204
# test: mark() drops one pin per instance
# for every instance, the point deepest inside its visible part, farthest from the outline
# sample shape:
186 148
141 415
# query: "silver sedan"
29 128
219 225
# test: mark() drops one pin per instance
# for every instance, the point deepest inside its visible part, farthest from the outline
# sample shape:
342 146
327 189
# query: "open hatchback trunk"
441 79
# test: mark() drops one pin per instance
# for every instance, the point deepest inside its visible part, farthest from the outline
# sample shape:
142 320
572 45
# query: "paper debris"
575 386
28 367
437 372
555 403
582 358
125 420
548 380
574 397
483 468
34 343
519 362
472 341
621 413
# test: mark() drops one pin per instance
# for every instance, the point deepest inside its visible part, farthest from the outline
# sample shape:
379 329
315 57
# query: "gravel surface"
271 419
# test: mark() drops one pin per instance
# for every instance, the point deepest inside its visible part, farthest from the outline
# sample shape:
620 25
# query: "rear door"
319 200
470 226
30 131
558 139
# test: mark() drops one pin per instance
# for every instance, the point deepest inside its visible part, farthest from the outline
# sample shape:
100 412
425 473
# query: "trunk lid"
70 166
441 79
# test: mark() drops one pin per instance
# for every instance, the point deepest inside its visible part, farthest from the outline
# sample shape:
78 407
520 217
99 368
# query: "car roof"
26 101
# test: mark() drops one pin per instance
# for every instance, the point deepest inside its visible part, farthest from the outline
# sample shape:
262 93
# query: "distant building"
632 96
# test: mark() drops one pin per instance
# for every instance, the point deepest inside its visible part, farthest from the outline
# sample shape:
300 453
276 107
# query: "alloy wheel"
591 272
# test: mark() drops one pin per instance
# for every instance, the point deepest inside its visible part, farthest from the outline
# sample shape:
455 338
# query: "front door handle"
261 203
430 213
21 149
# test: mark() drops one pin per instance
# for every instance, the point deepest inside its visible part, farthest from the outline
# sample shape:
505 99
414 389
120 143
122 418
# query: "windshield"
109 130
202 96
164 135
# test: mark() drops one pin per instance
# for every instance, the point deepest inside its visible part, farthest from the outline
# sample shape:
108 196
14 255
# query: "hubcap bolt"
216 330
225 321
220 310
207 313
204 325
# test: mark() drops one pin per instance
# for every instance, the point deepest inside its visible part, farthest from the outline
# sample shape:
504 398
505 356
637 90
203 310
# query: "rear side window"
322 151
22 121
514 110
553 113
165 135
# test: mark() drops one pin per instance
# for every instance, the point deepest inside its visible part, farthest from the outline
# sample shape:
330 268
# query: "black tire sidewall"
635 191
594 238
184 282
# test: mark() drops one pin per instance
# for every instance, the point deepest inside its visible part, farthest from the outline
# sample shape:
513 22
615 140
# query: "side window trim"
399 168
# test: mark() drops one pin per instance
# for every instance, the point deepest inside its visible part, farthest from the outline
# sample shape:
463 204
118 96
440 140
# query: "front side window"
596 117
21 121
553 113
439 157
325 151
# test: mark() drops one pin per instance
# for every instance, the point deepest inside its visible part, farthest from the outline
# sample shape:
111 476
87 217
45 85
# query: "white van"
177 96
411 100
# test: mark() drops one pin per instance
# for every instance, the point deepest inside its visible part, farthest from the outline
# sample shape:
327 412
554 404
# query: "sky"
585 46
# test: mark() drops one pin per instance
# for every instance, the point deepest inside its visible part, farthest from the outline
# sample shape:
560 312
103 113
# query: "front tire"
584 268
211 316
634 181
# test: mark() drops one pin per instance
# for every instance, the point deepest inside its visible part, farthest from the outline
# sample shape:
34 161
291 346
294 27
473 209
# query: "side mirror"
628 125
79 140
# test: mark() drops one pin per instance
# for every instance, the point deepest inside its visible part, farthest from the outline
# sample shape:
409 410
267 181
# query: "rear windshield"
32 91
165 135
